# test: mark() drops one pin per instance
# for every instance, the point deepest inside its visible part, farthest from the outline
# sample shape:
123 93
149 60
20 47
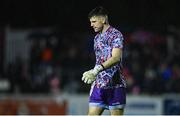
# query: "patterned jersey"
103 45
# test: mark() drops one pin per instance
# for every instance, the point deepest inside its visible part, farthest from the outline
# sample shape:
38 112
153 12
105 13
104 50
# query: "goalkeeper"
106 79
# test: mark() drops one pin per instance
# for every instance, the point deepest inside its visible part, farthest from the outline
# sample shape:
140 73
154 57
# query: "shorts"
109 98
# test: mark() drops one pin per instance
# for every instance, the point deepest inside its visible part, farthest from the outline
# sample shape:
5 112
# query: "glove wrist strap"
102 66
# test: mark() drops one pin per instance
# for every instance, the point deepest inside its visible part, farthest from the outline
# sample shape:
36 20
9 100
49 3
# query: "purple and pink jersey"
103 45
109 89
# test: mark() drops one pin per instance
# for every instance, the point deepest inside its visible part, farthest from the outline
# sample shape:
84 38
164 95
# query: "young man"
108 84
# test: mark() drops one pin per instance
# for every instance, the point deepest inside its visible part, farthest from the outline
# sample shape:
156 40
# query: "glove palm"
90 76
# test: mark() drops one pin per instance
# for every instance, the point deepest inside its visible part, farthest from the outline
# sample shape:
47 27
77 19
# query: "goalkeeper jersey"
103 45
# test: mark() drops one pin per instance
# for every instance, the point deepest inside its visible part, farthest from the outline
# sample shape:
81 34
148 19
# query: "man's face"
97 23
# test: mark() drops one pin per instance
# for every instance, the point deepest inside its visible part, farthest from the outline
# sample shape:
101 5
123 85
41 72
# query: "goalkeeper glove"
90 76
97 69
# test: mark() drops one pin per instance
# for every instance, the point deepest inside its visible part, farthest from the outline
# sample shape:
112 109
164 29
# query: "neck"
105 27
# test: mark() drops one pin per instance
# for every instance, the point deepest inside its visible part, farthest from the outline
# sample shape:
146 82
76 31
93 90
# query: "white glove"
97 69
90 76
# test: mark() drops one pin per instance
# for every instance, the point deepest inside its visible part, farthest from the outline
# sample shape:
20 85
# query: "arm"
90 76
116 56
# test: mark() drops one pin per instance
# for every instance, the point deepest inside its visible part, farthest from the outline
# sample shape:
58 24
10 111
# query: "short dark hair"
98 11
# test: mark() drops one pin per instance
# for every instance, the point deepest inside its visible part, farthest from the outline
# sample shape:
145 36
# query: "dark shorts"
109 98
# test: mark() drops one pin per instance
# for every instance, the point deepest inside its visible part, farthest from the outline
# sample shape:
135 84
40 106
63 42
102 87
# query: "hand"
88 77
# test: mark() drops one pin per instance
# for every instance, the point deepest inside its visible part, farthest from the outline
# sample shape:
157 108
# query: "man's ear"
106 19
103 19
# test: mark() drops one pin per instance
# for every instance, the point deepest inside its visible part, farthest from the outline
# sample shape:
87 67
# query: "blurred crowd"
57 61
151 62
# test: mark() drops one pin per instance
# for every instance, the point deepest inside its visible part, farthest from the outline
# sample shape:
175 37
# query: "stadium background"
45 46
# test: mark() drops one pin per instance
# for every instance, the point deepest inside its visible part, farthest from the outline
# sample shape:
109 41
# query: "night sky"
72 14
